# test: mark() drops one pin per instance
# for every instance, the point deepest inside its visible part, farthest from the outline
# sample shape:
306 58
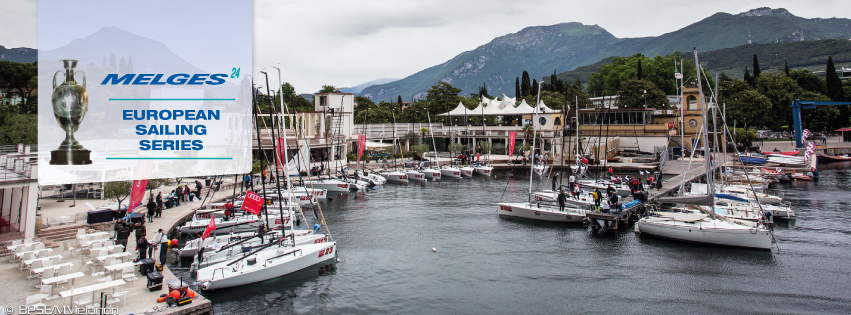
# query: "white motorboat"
740 191
354 183
395 176
431 173
700 228
485 170
467 171
452 172
541 212
786 159
415 175
266 263
583 201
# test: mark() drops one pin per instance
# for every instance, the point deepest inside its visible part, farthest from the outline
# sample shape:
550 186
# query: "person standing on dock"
571 180
161 241
555 181
597 197
576 191
152 209
123 235
562 198
611 191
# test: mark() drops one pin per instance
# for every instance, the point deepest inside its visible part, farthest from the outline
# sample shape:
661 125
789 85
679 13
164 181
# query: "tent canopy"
373 144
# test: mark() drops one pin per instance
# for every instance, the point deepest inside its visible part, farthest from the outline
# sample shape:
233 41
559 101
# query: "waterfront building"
19 191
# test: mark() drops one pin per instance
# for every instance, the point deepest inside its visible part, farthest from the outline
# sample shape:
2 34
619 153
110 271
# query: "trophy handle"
54 78
84 77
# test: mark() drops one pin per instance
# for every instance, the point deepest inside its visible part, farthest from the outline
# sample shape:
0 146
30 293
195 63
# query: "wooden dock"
670 185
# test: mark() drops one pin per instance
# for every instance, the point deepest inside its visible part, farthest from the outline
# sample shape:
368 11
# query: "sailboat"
700 223
483 168
394 175
280 256
539 210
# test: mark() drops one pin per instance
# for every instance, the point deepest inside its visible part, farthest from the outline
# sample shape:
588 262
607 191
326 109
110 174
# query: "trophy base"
66 157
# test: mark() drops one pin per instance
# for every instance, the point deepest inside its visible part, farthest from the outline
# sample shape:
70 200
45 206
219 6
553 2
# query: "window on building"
323 100
557 121
692 102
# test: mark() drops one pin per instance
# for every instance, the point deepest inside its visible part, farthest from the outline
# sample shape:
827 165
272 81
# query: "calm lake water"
490 265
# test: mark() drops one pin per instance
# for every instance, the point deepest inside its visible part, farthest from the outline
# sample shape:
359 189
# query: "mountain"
358 88
21 54
810 54
562 47
149 56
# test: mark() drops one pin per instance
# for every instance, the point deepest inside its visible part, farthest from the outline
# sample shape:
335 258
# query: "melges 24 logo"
161 79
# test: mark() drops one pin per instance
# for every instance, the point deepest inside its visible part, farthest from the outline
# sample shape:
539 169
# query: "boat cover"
731 197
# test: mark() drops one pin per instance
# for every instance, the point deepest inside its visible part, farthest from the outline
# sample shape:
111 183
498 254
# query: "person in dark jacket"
555 181
159 210
261 229
143 246
123 235
611 191
198 187
562 198
613 201
118 224
152 209
141 231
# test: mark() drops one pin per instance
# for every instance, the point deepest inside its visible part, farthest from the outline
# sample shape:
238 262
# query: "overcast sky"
349 42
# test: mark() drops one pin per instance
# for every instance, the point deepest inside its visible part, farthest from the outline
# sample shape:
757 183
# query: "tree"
259 166
525 84
112 62
640 74
117 191
329 89
399 100
442 97
823 117
786 68
18 128
528 132
484 147
744 137
20 77
637 93
534 90
156 182
756 71
835 91
424 132
808 80
419 150
607 79
745 104
455 147
748 77
517 87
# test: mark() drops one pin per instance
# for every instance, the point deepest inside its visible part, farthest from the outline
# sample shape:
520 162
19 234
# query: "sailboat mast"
274 111
433 144
534 138
257 128
394 138
707 156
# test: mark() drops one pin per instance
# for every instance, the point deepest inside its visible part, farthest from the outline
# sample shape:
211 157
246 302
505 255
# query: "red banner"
511 137
280 154
252 203
137 193
811 147
670 125
361 145
210 228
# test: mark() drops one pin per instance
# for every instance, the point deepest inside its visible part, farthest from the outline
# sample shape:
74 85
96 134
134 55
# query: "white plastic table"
26 263
90 289
79 237
40 270
52 281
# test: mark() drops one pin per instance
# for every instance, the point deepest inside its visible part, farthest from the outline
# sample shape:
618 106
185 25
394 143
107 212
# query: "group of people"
145 248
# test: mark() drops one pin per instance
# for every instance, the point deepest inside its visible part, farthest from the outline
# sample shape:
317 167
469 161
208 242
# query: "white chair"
42 253
67 246
63 270
115 250
128 274
81 232
38 246
117 297
35 300
97 245
47 274
84 301
17 242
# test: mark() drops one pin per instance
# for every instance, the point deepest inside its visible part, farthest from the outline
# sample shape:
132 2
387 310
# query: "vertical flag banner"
252 203
282 150
210 228
167 82
511 137
361 145
805 134
811 147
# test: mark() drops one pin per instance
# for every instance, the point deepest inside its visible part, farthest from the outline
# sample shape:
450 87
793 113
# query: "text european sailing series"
172 130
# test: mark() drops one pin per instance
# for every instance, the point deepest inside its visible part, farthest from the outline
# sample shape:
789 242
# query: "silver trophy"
70 103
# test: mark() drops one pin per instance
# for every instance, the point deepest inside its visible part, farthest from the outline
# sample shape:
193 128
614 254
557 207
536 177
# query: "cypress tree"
525 84
399 100
756 70
517 87
485 90
534 87
748 77
834 84
640 72
786 68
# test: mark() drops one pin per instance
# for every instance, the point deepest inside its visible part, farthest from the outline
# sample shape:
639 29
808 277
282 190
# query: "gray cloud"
18 23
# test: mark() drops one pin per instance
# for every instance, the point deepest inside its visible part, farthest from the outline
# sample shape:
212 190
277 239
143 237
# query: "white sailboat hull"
220 275
467 171
484 170
328 184
450 172
415 175
431 173
707 231
396 177
543 213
